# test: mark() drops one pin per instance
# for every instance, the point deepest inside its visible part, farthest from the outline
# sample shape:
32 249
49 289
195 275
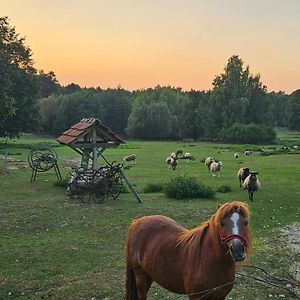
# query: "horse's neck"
212 251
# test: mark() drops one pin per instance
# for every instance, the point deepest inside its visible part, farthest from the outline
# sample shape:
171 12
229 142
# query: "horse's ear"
219 205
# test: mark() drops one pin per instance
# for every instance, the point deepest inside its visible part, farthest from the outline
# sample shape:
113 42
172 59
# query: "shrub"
224 189
248 134
124 189
62 183
183 187
153 188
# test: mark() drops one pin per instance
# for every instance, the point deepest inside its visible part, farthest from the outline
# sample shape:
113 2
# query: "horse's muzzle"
237 250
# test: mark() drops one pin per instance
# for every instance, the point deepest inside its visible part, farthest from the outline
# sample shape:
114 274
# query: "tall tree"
293 111
278 107
18 85
47 84
238 96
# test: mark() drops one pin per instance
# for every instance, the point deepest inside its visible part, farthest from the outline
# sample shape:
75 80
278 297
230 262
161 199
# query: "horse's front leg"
143 283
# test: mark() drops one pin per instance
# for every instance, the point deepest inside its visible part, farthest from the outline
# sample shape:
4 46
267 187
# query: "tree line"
238 108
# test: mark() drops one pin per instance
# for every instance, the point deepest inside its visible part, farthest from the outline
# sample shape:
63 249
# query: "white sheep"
236 155
187 156
216 168
251 184
130 158
173 154
243 174
208 161
247 152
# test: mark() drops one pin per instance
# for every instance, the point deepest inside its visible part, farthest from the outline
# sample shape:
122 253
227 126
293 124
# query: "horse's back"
154 226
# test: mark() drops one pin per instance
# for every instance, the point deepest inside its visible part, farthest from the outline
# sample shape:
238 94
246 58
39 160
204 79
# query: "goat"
242 174
251 184
236 155
216 167
208 162
130 158
247 152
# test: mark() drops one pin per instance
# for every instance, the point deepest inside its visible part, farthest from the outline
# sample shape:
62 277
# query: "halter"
225 239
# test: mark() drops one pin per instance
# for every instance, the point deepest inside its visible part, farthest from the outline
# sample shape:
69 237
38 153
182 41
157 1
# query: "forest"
238 108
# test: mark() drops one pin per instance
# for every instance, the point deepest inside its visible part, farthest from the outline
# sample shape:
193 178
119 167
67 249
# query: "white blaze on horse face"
234 218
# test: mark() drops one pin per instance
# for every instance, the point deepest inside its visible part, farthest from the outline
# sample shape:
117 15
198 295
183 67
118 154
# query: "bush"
224 189
248 134
153 188
62 183
183 187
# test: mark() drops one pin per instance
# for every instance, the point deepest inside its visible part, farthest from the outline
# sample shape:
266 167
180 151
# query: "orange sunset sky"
143 43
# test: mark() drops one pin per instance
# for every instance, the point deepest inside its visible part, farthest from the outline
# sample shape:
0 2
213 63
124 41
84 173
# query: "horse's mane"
192 239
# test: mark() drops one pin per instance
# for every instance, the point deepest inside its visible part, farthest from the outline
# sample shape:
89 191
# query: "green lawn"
54 248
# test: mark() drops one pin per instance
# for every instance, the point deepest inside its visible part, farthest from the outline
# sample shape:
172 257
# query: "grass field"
54 248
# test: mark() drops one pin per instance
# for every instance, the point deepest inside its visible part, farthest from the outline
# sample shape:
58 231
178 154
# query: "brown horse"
198 262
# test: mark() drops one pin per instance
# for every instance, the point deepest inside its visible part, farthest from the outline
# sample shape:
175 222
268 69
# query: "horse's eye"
222 223
246 222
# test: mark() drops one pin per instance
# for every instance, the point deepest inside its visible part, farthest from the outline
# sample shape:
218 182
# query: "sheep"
242 174
236 155
179 152
130 158
173 154
208 161
172 162
216 167
187 156
247 152
295 147
251 184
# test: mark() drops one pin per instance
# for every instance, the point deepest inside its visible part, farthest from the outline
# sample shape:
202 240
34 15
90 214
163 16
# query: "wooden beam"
136 194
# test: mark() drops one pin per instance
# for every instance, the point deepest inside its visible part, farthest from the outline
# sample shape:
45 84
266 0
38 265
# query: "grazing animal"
199 262
172 162
242 174
208 162
130 158
173 154
187 156
179 152
247 152
216 168
236 155
251 184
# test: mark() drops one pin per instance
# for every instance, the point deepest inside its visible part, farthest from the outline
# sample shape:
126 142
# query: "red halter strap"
225 239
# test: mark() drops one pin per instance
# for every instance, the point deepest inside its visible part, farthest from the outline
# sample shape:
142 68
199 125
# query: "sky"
138 44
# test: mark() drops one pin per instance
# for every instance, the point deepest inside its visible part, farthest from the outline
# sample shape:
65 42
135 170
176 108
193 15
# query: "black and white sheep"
172 162
130 158
247 152
216 167
236 155
179 152
251 184
243 174
208 162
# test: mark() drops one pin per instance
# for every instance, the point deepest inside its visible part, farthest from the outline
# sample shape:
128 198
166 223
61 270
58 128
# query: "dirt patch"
292 234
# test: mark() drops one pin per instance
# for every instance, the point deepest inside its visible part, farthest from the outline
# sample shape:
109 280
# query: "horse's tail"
131 291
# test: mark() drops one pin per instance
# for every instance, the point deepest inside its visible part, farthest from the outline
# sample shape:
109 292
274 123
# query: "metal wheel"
88 186
42 158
